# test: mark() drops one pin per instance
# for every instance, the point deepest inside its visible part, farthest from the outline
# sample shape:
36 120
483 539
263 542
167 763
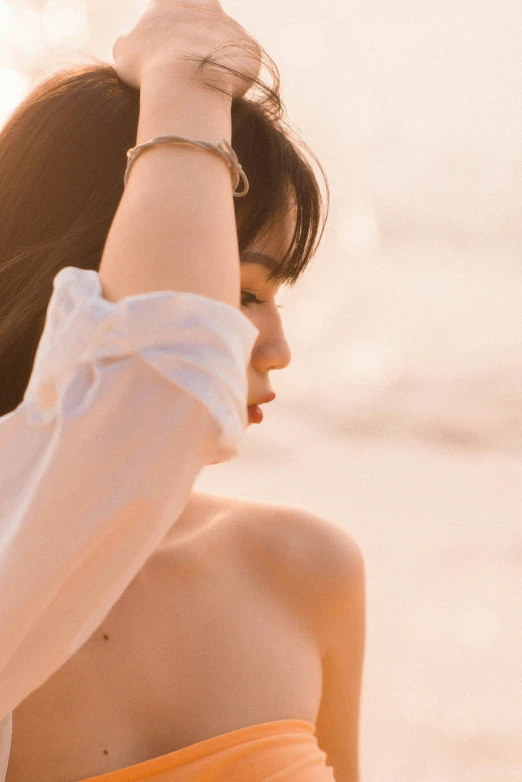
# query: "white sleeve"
126 403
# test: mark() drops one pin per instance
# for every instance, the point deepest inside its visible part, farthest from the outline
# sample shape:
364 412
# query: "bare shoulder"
306 554
310 542
317 567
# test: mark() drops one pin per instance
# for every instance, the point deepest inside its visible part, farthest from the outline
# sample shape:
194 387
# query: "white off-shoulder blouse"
125 405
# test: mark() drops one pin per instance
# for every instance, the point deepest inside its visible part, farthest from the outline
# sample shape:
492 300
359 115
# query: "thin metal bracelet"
222 148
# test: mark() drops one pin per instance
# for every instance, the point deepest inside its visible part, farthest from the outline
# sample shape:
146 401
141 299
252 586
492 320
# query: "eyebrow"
263 260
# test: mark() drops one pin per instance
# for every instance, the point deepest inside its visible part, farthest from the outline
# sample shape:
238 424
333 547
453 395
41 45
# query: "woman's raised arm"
175 227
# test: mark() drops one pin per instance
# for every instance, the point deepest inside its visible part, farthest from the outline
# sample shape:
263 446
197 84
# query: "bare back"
212 635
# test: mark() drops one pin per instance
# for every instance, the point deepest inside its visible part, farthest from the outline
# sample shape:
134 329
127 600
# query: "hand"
195 41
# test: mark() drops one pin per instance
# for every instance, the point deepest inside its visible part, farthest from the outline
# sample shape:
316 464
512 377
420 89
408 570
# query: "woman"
150 631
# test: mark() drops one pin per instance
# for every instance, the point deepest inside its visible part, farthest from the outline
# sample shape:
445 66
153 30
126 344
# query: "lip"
255 414
264 400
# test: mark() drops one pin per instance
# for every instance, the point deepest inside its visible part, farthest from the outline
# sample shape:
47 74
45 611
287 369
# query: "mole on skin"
106 637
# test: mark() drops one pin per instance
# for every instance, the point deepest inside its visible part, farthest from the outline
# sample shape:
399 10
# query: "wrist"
183 76
172 103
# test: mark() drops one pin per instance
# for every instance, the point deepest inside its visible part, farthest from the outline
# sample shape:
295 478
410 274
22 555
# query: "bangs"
279 168
84 120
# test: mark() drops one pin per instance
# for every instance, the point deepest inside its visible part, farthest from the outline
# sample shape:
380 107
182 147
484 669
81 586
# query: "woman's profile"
150 631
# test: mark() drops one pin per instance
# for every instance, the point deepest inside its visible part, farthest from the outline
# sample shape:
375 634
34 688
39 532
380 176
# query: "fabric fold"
279 751
200 344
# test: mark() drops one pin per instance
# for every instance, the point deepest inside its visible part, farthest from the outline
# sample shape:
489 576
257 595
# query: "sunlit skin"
271 349
139 688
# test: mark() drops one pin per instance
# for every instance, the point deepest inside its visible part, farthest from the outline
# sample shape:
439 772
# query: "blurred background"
400 416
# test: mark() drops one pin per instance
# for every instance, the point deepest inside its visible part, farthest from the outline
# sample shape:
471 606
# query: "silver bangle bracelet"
222 148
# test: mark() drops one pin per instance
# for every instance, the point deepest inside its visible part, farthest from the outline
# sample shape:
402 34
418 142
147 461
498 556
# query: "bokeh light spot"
63 19
7 21
27 34
14 86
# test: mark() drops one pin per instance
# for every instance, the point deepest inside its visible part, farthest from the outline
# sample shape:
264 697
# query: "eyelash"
250 298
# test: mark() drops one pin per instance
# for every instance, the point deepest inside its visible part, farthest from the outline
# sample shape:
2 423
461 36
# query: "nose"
271 350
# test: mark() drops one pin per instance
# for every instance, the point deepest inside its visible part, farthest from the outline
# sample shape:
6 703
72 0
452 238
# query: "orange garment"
284 750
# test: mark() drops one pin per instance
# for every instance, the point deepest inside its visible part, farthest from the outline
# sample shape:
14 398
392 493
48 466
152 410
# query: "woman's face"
271 349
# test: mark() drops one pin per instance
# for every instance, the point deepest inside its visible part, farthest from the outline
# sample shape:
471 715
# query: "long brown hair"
62 162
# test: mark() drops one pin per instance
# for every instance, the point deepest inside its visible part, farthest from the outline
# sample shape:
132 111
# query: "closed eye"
250 298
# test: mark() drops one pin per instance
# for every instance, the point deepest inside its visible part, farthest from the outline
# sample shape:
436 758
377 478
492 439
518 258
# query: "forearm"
175 226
